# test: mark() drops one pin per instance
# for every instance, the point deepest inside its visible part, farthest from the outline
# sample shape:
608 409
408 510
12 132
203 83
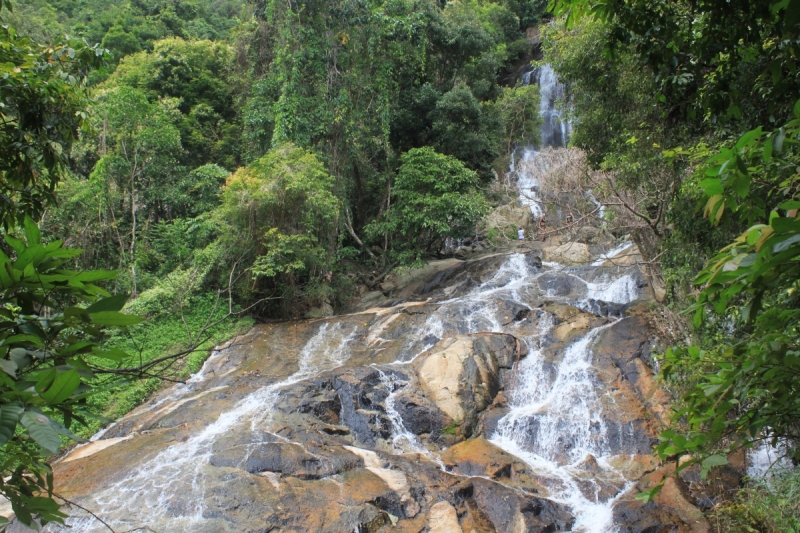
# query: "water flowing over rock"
555 130
496 395
501 394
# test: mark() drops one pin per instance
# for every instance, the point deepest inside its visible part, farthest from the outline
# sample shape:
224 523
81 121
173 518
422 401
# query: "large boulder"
671 511
479 457
488 506
507 219
570 252
461 375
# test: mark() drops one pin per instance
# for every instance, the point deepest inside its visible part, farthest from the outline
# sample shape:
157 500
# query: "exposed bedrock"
439 409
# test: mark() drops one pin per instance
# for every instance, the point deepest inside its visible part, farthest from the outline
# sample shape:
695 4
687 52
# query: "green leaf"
647 495
40 430
712 461
62 430
9 367
63 386
784 245
785 224
777 141
10 414
741 185
113 303
32 233
749 138
20 357
16 244
113 318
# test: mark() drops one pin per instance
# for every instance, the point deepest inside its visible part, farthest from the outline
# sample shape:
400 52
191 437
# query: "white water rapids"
555 421
551 403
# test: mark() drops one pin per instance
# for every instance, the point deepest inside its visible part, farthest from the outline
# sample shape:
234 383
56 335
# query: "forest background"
220 162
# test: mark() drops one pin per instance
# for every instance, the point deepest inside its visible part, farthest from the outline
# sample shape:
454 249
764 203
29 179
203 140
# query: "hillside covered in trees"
220 163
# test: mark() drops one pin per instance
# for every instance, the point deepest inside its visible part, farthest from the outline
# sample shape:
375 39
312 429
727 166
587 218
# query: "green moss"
452 428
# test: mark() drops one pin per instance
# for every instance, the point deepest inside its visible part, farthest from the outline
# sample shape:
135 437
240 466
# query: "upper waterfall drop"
555 132
555 129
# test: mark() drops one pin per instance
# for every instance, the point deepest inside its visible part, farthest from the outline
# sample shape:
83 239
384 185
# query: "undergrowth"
159 336
771 506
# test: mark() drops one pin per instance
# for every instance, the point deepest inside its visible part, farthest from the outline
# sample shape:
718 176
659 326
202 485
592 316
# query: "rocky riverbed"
500 394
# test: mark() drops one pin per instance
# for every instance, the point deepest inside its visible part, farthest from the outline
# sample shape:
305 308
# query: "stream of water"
555 421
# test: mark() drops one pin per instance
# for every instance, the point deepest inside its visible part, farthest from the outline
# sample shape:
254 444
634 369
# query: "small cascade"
554 134
557 415
529 166
403 441
172 483
555 130
764 460
622 290
556 426
608 256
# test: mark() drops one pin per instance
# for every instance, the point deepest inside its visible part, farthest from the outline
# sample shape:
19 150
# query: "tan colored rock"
577 324
674 496
570 252
479 457
394 479
440 373
443 518
322 311
461 376
628 257
92 448
508 218
634 467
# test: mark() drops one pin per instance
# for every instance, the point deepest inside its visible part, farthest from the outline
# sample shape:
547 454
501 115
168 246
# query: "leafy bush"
50 352
771 506
282 217
519 111
434 197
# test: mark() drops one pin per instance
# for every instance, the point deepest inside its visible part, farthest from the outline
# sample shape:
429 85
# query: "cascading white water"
146 494
527 184
555 423
554 134
403 441
555 420
555 130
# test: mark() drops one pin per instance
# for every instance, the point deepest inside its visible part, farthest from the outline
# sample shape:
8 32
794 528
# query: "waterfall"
555 130
559 419
175 479
554 134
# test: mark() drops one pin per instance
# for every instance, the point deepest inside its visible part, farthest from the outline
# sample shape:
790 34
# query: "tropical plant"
283 221
433 197
43 109
752 393
519 111
53 320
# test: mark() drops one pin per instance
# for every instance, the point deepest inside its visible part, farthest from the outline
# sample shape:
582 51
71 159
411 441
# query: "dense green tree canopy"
670 89
433 198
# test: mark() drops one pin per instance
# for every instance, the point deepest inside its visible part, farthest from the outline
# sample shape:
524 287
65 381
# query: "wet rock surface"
485 396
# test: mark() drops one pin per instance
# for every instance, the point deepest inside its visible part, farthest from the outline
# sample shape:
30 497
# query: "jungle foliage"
698 104
196 161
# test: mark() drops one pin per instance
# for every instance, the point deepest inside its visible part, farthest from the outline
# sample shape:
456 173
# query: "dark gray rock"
420 415
287 459
500 505
559 284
